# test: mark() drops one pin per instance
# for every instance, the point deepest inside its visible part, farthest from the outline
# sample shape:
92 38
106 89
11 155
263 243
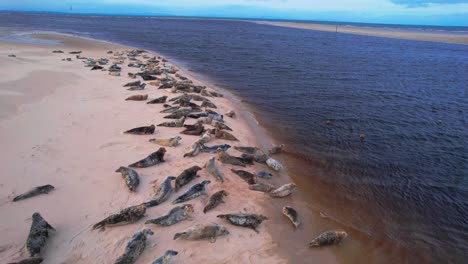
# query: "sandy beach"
377 32
63 124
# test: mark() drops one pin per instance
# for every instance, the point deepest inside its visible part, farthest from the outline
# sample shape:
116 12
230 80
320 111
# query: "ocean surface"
376 129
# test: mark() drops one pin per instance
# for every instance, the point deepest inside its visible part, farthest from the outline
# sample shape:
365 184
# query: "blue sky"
432 12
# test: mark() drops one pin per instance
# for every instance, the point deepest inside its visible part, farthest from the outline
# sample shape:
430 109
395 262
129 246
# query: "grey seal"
262 187
128 215
44 189
283 190
215 200
221 134
228 159
166 259
264 174
159 100
213 169
192 193
137 97
213 149
199 232
135 247
176 123
194 130
131 177
167 142
163 193
246 176
186 176
152 159
276 149
247 150
38 234
177 214
292 215
328 238
244 220
144 130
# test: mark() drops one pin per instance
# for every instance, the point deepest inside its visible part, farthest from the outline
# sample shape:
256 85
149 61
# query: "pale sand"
461 38
62 124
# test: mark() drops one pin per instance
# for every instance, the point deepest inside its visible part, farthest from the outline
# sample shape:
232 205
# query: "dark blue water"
405 183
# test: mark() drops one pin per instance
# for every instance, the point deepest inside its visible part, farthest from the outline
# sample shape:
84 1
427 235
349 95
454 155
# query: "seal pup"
231 114
186 176
159 100
214 148
144 130
131 178
163 193
38 235
166 259
177 214
199 232
134 247
293 215
283 190
276 149
33 260
177 123
137 97
328 238
274 164
262 187
247 150
44 189
128 215
228 159
167 142
213 169
215 200
246 176
264 175
221 134
152 159
194 149
244 220
194 130
192 193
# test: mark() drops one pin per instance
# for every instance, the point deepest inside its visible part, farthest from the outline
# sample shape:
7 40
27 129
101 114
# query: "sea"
376 129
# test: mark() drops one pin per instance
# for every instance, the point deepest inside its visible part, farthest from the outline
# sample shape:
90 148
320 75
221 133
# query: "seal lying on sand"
208 104
328 238
176 123
228 159
170 109
97 67
262 187
283 191
264 174
128 215
231 114
167 142
276 149
221 134
244 220
194 130
247 150
179 113
134 247
34 260
192 193
163 193
221 125
44 189
166 259
75 52
137 88
206 137
213 169
153 159
215 200
186 176
246 176
195 148
214 148
131 84
293 215
257 157
137 97
131 178
57 51
174 216
159 100
144 130
274 164
199 232
38 235
205 120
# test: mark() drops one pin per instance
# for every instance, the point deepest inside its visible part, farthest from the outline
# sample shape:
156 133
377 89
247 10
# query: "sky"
419 12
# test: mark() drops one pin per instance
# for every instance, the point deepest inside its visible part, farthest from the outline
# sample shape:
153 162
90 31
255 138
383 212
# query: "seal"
264 175
194 130
228 159
144 130
199 232
215 200
57 51
131 178
231 114
167 142
163 193
159 100
283 190
169 109
192 193
131 84
33 260
176 123
221 125
293 215
276 149
179 113
97 67
186 176
176 215
262 187
205 120
274 164
128 215
244 220
221 134
214 148
213 169
257 157
137 97
208 104
166 259
206 137
135 247
44 189
75 52
195 148
246 176
328 238
247 150
137 88
38 234
152 159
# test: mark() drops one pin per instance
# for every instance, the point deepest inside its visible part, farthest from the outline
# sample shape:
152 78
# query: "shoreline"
233 102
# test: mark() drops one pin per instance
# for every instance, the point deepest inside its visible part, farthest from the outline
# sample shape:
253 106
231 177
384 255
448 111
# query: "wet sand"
62 124
377 32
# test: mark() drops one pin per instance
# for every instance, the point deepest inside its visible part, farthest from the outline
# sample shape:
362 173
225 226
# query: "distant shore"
377 32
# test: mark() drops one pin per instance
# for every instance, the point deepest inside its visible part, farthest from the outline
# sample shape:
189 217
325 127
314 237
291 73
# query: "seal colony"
213 160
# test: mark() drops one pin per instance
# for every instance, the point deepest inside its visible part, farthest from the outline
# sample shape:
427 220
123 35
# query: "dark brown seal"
137 97
44 189
248 177
152 159
194 130
186 176
144 130
135 247
38 235
221 134
244 220
215 200
228 159
128 215
159 100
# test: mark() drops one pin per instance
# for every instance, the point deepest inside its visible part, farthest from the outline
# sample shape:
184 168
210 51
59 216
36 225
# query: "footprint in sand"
112 144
